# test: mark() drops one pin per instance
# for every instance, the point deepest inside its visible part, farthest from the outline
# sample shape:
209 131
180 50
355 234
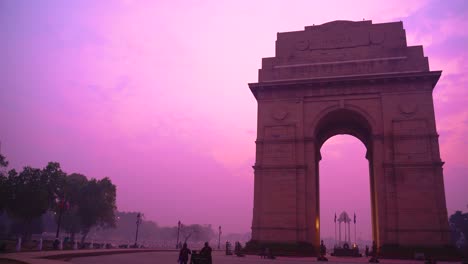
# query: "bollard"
18 245
75 245
61 244
91 246
39 247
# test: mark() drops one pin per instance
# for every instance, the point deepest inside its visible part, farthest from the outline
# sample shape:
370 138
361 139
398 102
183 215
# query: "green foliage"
89 203
54 178
27 197
97 205
83 204
73 189
28 194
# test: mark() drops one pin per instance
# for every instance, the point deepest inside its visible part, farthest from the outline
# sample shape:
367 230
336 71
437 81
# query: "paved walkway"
63 256
144 256
220 258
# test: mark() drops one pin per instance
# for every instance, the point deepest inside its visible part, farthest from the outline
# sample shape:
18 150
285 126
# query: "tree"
197 233
30 193
28 196
54 178
202 232
73 189
3 183
97 205
459 221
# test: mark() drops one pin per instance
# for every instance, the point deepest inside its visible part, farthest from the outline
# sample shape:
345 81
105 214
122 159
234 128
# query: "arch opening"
350 125
344 186
343 122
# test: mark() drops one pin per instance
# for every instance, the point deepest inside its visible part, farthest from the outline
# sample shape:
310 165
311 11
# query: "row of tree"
79 204
151 231
37 200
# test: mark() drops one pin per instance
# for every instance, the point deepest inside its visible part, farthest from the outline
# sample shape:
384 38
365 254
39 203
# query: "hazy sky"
154 95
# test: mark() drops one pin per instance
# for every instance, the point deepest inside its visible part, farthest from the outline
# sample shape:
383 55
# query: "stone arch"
350 121
342 121
348 78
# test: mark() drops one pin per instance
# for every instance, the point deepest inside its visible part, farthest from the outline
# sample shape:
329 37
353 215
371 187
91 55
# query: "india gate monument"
360 79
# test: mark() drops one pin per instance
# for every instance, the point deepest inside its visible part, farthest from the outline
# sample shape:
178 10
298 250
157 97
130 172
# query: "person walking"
206 253
183 254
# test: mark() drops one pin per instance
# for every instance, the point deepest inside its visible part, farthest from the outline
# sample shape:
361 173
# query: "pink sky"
154 95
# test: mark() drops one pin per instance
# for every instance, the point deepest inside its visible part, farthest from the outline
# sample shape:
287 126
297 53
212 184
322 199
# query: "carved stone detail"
279 114
408 109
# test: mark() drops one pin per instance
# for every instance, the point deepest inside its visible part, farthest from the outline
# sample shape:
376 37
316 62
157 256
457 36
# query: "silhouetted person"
56 243
238 249
374 253
228 248
206 253
374 249
183 254
323 252
367 250
323 249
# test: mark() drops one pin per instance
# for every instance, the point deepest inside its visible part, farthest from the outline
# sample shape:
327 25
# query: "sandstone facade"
355 78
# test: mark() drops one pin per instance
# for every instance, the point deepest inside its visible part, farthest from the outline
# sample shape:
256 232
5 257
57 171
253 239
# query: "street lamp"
178 231
61 207
138 222
61 203
219 237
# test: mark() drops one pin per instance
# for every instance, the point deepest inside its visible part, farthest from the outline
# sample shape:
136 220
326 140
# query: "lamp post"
62 205
178 232
138 222
219 237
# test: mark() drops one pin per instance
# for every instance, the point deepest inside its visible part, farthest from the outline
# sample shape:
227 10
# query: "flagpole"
355 240
335 229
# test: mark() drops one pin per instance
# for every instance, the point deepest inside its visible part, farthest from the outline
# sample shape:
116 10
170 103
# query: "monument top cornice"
343 48
431 76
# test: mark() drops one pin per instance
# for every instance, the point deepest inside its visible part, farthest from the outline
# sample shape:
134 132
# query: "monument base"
448 253
300 249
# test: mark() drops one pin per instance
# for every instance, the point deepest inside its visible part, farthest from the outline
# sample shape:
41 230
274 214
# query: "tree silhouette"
96 206
459 221
3 183
28 196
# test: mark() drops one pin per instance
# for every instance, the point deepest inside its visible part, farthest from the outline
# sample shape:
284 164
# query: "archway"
345 121
354 78
344 186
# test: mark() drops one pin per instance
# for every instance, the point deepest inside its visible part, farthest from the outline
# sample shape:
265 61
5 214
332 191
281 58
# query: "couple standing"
204 252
